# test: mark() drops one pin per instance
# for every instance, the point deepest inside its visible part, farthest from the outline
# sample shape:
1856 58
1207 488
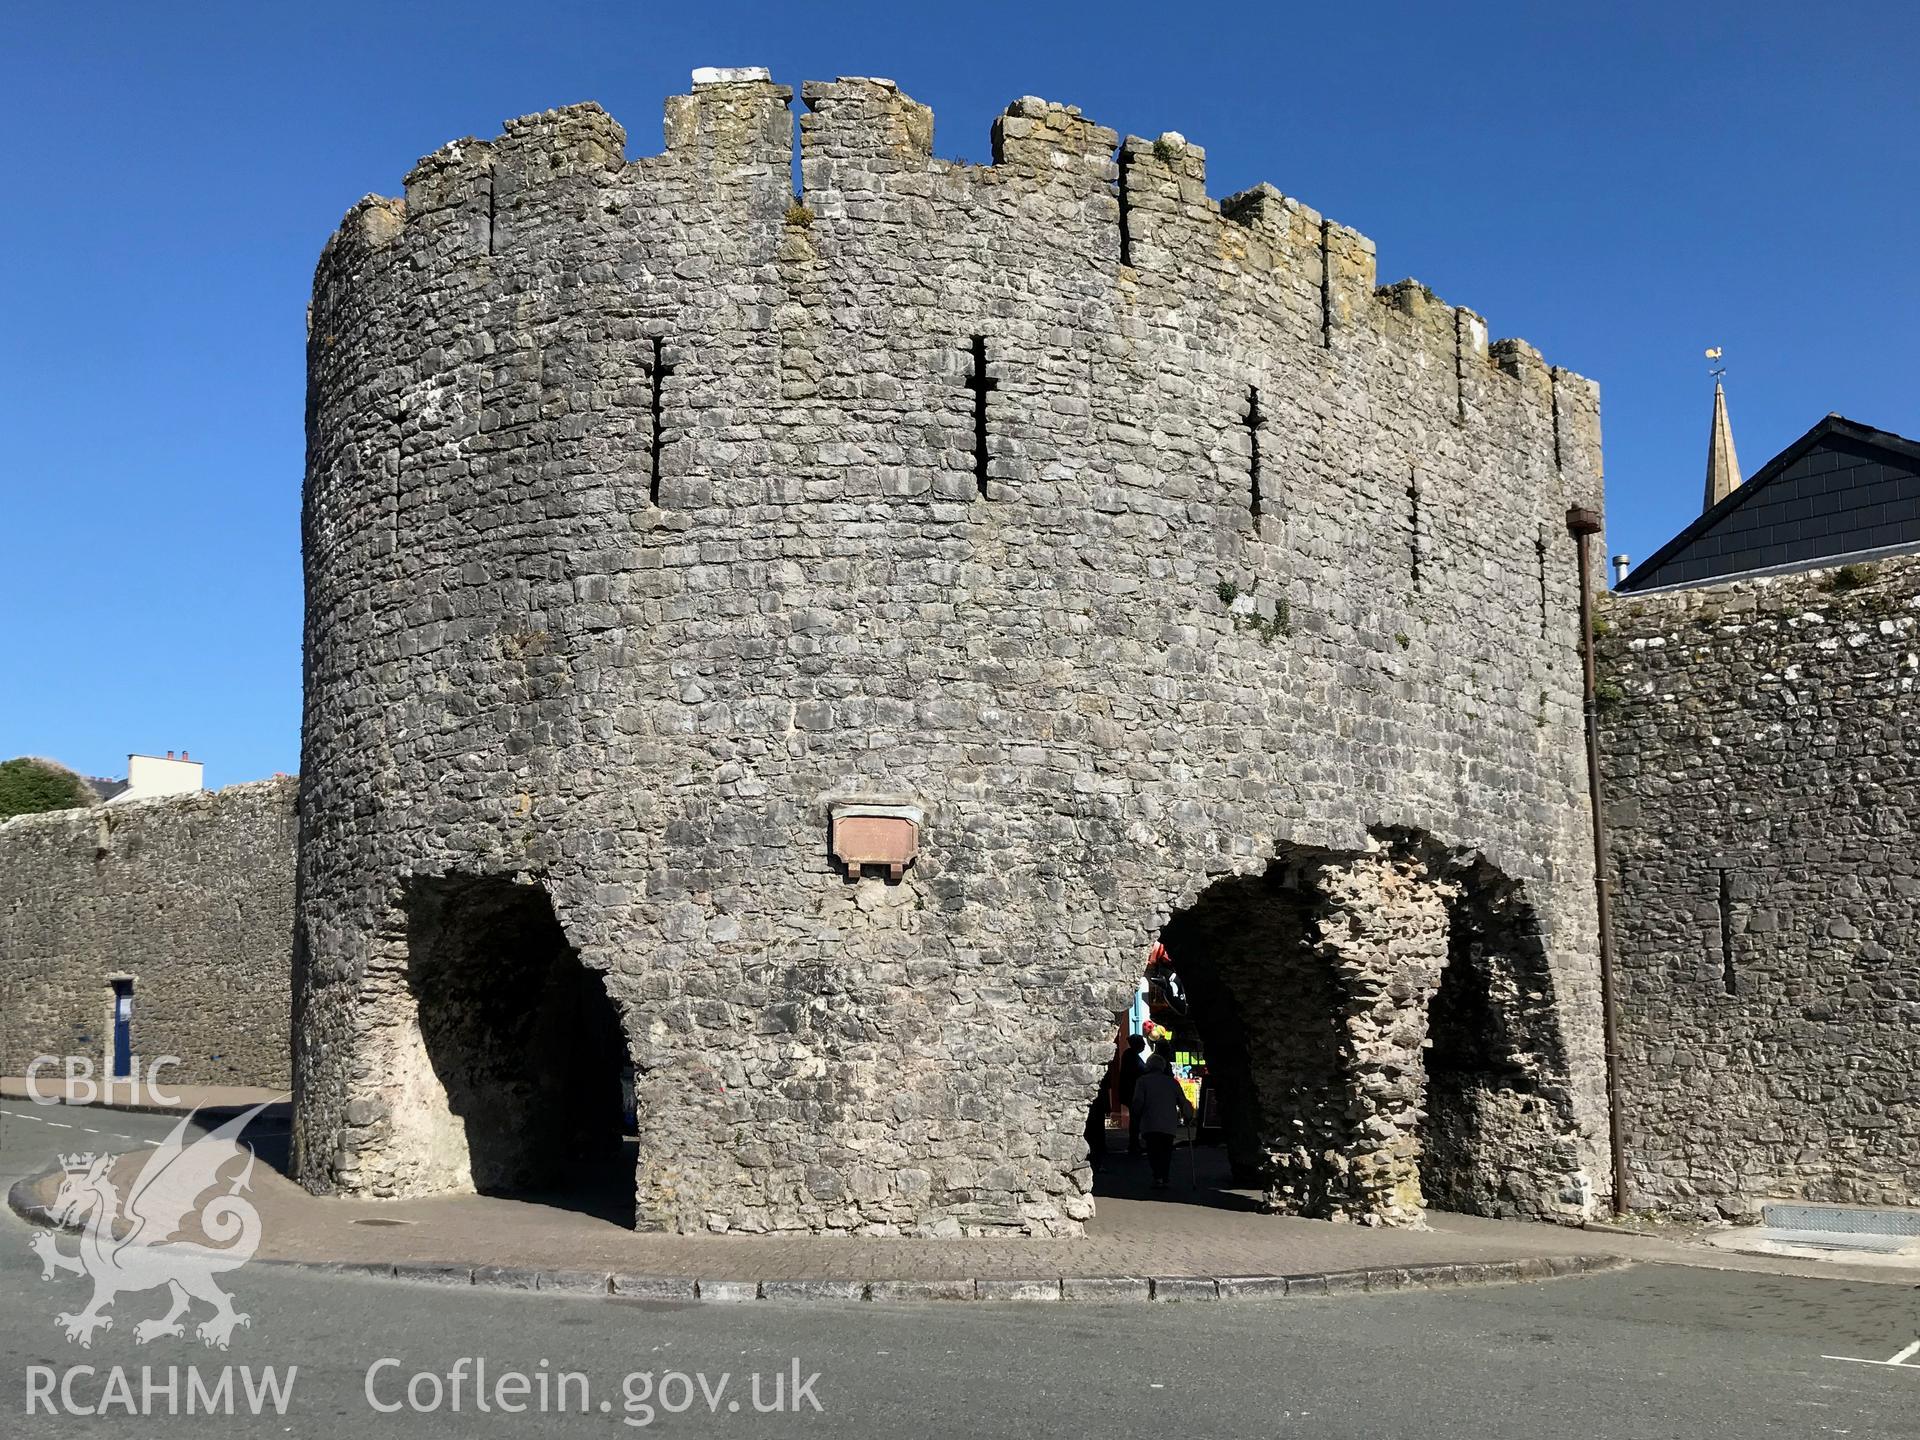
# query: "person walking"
1096 1127
1131 1066
1160 1108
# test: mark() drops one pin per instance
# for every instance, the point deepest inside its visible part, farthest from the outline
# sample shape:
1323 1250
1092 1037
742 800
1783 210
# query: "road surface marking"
1898 1362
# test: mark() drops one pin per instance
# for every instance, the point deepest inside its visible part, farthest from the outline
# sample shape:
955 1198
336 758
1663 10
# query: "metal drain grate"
1835 1220
1850 1242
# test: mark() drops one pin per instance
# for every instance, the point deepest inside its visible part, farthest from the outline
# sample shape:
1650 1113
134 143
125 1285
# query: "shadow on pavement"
1200 1176
601 1190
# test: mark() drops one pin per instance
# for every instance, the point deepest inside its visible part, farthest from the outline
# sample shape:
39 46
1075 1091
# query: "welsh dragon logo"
139 1244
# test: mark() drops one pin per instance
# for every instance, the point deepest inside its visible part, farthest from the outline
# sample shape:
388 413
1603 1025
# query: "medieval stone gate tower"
1163 570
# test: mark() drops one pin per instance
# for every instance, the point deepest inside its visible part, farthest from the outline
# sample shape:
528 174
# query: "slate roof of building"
1841 491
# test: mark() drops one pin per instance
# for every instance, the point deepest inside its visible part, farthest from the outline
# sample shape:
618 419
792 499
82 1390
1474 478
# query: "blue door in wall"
122 1029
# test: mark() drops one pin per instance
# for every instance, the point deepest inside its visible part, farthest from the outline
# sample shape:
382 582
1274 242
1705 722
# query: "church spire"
1723 465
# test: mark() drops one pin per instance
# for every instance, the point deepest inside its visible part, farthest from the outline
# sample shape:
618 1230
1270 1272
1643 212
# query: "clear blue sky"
1621 184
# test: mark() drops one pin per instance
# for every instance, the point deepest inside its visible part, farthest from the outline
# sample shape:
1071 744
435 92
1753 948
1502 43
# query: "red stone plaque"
881 837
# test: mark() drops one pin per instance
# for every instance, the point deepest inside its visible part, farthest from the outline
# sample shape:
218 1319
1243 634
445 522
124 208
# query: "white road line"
58 1126
1898 1362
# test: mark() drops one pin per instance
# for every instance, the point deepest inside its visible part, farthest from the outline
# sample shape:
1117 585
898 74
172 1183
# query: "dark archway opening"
1266 1007
1260 1008
526 1042
1379 1035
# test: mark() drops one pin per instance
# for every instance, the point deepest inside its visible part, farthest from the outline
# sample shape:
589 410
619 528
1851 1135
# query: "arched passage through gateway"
527 1047
1379 1035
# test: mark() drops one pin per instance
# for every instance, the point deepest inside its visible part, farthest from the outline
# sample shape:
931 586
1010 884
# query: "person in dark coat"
1160 1108
1096 1128
1131 1066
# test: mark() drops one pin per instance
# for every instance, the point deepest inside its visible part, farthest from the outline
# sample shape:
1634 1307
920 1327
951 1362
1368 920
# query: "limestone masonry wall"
189 896
1762 755
1135 536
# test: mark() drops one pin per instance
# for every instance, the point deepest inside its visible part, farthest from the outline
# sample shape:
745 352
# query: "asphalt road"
1651 1352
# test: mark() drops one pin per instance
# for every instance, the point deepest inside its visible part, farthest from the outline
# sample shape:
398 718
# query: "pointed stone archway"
1380 1028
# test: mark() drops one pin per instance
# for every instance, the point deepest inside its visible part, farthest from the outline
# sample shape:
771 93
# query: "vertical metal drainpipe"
1584 523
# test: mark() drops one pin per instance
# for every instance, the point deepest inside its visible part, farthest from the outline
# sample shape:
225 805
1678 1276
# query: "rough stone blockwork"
650 511
1389 1018
1763 757
189 896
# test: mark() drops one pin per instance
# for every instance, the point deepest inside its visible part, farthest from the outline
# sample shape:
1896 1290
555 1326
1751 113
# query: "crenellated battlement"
372 222
736 126
864 120
861 133
449 176
572 140
1040 135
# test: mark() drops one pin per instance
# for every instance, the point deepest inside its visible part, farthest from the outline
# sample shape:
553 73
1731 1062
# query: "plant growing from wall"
1268 627
1847 577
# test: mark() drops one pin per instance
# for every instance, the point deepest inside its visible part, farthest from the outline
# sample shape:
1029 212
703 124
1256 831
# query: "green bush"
30 787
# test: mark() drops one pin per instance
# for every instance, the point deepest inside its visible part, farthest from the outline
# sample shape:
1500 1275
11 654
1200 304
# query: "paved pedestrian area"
1197 1228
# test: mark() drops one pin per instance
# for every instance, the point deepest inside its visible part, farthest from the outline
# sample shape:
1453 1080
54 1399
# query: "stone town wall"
1762 752
649 510
190 896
